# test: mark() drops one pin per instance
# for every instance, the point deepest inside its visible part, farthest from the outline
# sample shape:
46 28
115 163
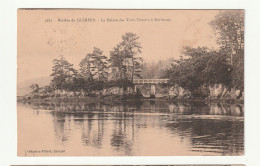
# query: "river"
143 128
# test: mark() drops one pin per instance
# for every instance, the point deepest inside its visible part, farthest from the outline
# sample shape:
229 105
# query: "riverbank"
87 99
217 93
118 99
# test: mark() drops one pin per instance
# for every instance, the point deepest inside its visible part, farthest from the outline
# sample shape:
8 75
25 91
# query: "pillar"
152 92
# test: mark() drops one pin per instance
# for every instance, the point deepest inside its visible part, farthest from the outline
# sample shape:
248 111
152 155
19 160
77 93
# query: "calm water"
130 128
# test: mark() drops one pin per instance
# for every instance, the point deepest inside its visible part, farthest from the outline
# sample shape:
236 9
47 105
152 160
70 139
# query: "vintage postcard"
130 82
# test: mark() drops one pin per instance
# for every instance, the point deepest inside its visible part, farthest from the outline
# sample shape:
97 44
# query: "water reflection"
125 128
187 108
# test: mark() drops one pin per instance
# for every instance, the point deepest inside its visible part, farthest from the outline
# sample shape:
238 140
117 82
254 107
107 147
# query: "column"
152 93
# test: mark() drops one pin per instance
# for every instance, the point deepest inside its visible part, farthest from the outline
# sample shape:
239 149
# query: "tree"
201 67
63 74
124 57
131 49
217 69
116 60
229 25
194 52
94 66
85 68
100 65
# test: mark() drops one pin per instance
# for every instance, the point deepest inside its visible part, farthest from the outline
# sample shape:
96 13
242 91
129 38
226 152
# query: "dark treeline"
97 70
206 67
197 67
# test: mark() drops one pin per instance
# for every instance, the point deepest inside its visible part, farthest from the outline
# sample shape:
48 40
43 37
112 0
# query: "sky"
163 34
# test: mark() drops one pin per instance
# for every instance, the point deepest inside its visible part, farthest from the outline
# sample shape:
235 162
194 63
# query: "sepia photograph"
130 82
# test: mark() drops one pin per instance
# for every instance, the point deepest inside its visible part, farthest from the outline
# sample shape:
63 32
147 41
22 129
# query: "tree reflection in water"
216 128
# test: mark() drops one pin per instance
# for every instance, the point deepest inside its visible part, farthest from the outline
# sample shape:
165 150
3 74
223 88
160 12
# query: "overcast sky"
39 42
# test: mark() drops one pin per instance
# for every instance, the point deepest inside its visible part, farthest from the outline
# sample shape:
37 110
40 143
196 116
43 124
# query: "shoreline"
129 98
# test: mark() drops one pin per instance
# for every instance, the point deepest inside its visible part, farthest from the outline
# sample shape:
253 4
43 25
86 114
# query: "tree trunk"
133 69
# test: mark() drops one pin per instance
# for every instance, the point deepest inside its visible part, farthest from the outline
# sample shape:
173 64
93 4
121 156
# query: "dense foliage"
229 26
97 71
202 66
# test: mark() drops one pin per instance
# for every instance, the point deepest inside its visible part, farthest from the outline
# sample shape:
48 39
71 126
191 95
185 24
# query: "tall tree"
229 25
125 56
131 49
85 68
117 63
100 65
63 74
94 65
